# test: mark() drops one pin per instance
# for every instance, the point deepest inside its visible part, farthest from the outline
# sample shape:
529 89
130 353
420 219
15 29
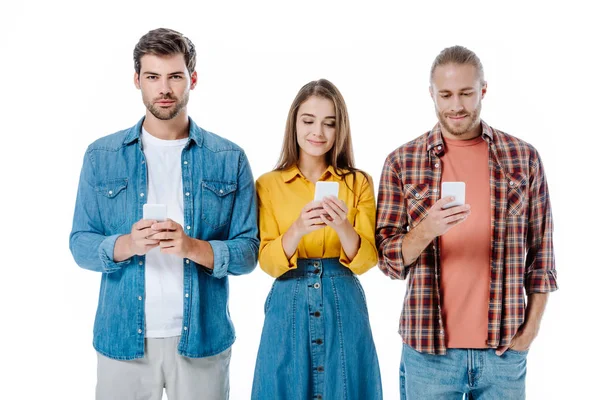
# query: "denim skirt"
316 341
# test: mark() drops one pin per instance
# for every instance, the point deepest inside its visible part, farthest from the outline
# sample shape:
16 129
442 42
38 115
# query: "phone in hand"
156 212
456 189
326 188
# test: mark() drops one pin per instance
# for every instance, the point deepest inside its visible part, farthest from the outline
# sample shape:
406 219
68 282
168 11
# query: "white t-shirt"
164 272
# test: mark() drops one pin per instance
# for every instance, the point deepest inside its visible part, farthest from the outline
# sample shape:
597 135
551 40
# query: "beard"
165 115
467 125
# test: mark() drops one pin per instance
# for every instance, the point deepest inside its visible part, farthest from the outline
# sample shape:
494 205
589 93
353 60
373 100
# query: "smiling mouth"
313 142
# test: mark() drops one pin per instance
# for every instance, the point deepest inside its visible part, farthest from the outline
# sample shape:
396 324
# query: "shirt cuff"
277 262
106 251
220 258
364 259
541 281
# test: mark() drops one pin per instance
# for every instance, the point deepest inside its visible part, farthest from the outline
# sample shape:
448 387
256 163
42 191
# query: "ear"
483 89
136 80
194 80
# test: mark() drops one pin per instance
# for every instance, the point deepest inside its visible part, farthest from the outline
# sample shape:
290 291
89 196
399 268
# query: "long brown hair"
341 155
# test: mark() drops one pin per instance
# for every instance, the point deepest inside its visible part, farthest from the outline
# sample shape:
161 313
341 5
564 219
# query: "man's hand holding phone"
447 212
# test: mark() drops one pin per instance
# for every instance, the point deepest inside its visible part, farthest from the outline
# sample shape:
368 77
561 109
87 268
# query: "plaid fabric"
522 255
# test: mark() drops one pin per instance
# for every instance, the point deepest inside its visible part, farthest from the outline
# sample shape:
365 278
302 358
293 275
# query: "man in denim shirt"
162 318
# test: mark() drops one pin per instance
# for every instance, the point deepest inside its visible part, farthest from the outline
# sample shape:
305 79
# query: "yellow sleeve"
271 256
364 225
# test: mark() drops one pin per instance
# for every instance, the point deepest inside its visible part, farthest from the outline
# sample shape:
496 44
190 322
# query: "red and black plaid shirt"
522 255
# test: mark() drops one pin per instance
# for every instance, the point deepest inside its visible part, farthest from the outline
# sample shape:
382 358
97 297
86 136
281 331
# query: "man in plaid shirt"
478 274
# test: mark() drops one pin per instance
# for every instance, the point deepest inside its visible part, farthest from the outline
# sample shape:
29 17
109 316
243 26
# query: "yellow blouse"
281 197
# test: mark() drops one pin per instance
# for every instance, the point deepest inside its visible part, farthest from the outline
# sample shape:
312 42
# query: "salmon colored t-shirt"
465 249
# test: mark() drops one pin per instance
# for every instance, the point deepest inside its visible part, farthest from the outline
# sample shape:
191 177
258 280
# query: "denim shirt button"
140 298
185 163
139 331
187 295
317 285
187 261
185 328
188 227
187 193
141 194
141 263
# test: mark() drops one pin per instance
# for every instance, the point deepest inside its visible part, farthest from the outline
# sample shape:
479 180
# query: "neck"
471 134
312 167
172 129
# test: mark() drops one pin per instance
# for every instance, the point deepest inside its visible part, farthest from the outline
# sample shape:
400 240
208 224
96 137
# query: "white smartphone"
456 189
156 212
326 188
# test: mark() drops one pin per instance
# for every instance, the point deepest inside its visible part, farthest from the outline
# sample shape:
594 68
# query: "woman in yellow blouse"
316 341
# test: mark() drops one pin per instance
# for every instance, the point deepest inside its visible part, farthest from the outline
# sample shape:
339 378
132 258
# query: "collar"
435 140
195 133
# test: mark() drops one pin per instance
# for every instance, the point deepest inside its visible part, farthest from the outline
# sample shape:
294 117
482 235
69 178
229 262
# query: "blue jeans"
477 374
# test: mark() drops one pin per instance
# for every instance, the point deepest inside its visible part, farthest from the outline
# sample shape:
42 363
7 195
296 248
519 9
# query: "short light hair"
457 55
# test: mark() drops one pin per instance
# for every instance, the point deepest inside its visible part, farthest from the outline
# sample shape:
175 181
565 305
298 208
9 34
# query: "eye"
177 77
331 124
151 77
444 96
467 94
307 122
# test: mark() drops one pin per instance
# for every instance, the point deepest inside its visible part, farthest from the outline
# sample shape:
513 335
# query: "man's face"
165 83
457 91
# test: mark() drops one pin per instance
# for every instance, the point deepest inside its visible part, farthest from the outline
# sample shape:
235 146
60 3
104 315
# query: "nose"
165 87
457 104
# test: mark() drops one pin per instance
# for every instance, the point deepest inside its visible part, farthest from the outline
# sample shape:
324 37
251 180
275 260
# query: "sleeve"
392 223
540 273
91 249
237 255
271 256
364 225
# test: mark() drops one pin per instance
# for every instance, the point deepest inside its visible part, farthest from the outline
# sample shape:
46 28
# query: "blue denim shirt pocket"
112 202
217 202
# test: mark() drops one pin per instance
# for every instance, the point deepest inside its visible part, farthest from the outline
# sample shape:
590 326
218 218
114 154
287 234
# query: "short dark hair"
457 55
164 42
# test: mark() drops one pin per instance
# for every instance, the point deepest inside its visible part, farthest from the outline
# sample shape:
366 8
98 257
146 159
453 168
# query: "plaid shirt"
522 255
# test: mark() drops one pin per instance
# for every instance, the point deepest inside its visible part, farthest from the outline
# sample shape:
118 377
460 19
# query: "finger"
149 242
334 210
314 214
168 225
456 217
500 350
339 203
326 221
443 201
315 221
165 235
143 224
312 205
456 210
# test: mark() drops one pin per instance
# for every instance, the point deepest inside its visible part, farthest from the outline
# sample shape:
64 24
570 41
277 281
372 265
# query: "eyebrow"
460 90
313 116
157 74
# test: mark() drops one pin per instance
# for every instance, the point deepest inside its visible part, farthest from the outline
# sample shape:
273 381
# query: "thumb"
500 350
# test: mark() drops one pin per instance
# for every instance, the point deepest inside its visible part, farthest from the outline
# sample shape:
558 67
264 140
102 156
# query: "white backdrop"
67 73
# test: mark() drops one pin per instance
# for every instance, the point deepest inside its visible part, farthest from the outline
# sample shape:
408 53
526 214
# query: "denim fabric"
219 207
477 374
316 341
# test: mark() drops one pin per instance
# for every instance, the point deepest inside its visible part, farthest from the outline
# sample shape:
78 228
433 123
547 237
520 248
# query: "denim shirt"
219 207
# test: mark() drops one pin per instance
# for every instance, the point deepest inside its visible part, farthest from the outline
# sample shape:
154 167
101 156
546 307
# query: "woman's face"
315 127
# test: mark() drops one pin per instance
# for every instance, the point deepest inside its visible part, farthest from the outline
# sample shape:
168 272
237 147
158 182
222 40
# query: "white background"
66 79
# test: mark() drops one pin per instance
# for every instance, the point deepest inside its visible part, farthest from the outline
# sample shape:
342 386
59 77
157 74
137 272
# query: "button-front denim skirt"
316 341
